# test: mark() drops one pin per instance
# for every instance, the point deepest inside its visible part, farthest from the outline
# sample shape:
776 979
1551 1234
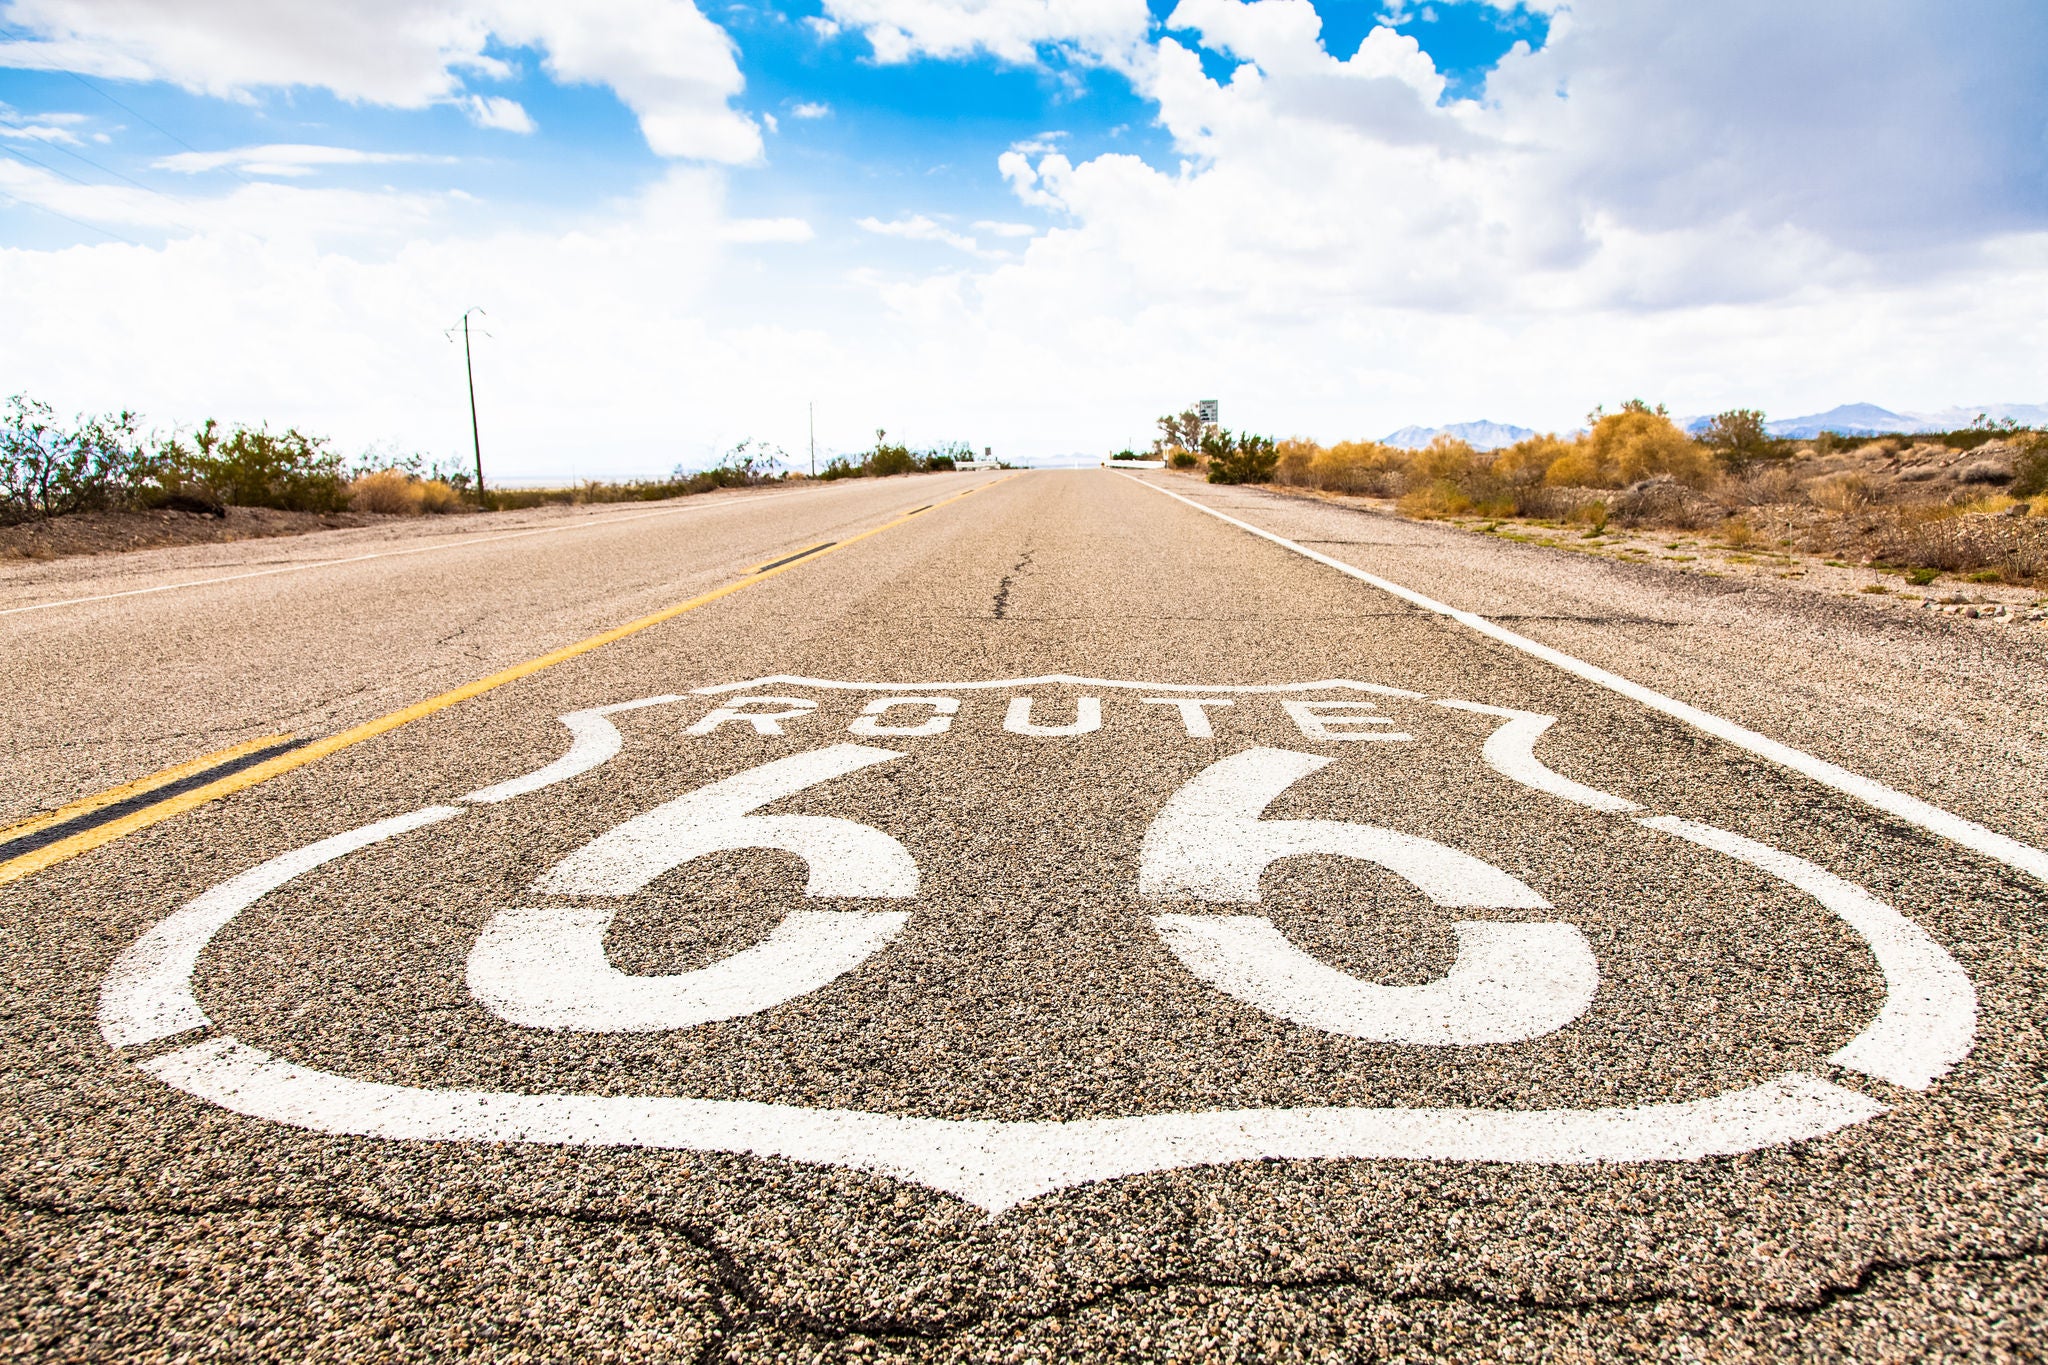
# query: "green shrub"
290 471
1240 459
50 470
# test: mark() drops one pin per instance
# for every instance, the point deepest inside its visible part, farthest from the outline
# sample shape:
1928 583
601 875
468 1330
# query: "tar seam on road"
73 812
802 554
1911 809
313 750
588 524
57 825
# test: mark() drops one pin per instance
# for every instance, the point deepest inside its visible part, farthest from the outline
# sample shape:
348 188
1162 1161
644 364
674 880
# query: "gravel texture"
141 1222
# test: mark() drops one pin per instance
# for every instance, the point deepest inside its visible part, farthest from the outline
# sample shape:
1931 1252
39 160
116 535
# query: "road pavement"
1064 923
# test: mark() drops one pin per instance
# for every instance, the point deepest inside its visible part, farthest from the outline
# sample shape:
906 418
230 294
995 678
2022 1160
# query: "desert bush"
387 491
256 468
1663 501
1181 434
1362 467
1524 464
1758 487
1294 461
1636 443
1739 439
2030 466
1839 492
48 469
398 492
1240 459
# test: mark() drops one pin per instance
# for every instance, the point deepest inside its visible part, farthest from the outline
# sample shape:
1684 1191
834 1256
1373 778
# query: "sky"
1032 225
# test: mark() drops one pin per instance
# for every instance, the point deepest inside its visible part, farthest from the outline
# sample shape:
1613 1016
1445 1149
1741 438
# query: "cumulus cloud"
1011 31
810 109
670 65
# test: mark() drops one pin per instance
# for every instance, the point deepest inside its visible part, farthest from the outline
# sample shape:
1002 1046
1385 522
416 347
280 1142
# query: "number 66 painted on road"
544 966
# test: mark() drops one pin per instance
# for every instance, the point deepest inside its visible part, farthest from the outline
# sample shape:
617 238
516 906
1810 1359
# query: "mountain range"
1478 435
1868 419
1850 419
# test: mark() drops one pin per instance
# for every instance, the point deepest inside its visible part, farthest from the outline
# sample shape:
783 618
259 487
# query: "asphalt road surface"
1048 919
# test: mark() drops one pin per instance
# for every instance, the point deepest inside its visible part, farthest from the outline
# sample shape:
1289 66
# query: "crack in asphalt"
732 1278
1002 602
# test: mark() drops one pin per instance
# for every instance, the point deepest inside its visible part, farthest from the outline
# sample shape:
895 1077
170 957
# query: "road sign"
1454 978
1207 410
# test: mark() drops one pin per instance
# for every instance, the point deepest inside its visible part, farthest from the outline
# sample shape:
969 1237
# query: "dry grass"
393 492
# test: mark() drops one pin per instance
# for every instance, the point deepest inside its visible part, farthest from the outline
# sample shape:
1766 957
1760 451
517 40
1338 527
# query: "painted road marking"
1911 809
313 751
1510 983
1924 1026
545 967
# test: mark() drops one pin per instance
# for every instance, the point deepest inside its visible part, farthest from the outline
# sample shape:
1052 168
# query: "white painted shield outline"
1926 1025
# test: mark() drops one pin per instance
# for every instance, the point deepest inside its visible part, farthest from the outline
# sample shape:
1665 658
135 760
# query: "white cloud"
763 230
1011 31
38 132
995 229
673 67
810 109
919 228
495 111
283 159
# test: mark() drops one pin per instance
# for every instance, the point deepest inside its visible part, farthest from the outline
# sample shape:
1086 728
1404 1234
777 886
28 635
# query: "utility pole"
813 407
476 440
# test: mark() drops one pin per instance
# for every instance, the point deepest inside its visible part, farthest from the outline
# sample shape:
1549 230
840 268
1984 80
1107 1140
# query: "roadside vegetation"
893 457
1971 502
50 467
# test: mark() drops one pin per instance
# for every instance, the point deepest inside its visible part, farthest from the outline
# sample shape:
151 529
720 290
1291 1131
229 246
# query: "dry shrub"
1839 493
1526 462
1297 458
394 492
1365 467
1439 499
2016 546
389 491
1628 446
1760 488
1664 501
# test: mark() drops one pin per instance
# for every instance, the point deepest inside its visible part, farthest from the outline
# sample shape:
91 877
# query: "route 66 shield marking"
1523 970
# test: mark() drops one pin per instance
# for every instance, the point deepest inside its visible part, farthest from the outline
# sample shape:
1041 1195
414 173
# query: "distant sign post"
1206 409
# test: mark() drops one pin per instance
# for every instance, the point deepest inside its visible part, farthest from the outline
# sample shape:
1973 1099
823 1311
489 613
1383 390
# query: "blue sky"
1022 223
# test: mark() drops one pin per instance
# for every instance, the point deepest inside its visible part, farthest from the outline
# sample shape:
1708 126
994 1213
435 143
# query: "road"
1067 914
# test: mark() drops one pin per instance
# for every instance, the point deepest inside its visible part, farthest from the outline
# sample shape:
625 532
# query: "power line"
135 112
29 203
103 170
88 185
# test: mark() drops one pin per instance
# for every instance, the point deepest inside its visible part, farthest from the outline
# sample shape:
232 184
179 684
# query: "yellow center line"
86 840
86 805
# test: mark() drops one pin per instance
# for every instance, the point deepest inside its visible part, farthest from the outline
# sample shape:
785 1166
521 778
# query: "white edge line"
1911 809
1049 680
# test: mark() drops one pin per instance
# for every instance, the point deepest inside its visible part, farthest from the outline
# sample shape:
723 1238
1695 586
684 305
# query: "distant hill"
1478 435
1868 419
